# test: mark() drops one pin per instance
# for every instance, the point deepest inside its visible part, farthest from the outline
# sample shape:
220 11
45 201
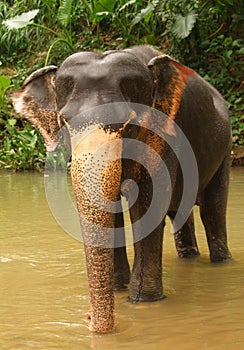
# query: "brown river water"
43 285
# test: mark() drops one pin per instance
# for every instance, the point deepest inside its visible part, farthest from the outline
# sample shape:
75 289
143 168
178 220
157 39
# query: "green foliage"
98 10
5 84
235 104
22 20
15 42
20 147
25 19
184 24
64 12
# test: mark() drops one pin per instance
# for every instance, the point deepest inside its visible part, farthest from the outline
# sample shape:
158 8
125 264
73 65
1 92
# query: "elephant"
51 97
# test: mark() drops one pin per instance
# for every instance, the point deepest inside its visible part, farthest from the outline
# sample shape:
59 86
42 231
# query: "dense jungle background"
204 35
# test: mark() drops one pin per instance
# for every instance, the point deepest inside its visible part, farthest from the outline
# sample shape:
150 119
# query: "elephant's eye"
64 88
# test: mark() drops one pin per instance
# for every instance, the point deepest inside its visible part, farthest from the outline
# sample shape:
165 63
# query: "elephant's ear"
39 86
170 79
36 102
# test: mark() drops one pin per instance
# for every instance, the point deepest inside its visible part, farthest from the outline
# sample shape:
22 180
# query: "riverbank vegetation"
204 35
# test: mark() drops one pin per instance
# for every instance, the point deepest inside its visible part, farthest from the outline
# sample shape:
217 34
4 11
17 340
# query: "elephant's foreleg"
146 277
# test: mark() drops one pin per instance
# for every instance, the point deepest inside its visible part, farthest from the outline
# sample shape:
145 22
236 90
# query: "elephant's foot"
121 282
121 276
145 289
220 258
145 298
219 252
185 240
188 252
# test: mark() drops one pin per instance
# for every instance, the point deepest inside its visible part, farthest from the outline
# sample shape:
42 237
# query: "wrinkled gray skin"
141 75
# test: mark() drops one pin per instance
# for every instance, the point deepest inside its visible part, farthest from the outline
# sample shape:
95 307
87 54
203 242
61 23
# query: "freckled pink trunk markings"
99 262
89 197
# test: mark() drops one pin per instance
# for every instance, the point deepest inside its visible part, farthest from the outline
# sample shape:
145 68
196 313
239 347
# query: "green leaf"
50 3
33 141
104 6
21 21
241 51
184 25
12 122
104 14
7 144
4 83
64 12
143 14
102 9
127 4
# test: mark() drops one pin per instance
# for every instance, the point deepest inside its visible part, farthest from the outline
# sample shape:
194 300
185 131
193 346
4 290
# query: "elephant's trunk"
100 275
96 176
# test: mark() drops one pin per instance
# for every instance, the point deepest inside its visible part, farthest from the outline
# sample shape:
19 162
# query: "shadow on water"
43 295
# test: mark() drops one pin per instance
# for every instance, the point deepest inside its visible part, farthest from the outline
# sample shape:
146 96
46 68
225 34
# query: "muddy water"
43 287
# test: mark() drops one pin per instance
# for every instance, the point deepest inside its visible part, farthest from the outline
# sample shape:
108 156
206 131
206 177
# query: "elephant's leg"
121 269
146 278
185 239
121 264
213 213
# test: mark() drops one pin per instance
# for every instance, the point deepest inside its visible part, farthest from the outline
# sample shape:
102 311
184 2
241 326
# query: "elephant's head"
51 96
83 81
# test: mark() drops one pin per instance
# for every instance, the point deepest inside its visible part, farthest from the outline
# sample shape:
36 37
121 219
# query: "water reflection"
43 295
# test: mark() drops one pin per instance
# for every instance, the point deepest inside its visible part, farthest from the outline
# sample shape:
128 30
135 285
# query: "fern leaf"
64 12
